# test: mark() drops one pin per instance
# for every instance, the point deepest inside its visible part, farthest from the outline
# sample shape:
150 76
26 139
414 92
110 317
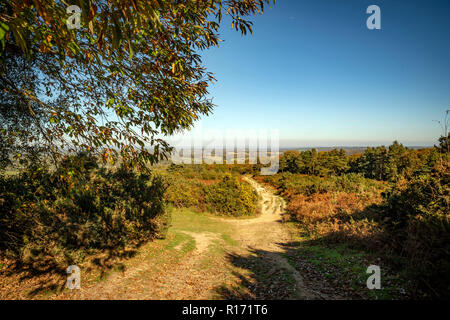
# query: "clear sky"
315 72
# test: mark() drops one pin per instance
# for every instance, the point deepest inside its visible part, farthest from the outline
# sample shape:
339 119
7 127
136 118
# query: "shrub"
337 216
79 207
307 185
231 197
213 188
419 224
185 193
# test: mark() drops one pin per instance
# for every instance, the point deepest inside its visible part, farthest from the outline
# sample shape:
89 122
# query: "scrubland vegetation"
52 218
392 202
217 189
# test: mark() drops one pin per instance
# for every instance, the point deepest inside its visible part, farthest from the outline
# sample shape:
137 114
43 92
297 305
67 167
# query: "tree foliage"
334 162
20 118
130 73
381 163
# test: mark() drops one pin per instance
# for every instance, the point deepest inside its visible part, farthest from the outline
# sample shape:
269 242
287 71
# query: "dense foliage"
418 222
232 197
128 75
213 188
315 163
380 163
307 185
78 209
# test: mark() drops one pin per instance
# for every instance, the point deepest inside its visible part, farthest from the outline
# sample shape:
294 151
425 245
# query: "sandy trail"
266 233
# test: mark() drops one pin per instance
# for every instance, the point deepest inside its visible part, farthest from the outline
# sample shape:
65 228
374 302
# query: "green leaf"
4 28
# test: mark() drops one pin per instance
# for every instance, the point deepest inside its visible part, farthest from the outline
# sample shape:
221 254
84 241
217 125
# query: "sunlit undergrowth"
217 189
406 224
342 208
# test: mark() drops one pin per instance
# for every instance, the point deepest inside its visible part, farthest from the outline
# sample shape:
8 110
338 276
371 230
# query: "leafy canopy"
132 70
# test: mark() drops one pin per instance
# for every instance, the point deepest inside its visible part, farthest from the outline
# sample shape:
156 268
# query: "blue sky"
315 72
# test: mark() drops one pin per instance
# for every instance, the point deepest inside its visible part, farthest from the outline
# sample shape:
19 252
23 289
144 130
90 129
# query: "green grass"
178 244
229 240
345 266
188 220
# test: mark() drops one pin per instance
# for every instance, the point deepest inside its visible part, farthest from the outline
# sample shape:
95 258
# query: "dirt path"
205 257
266 234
